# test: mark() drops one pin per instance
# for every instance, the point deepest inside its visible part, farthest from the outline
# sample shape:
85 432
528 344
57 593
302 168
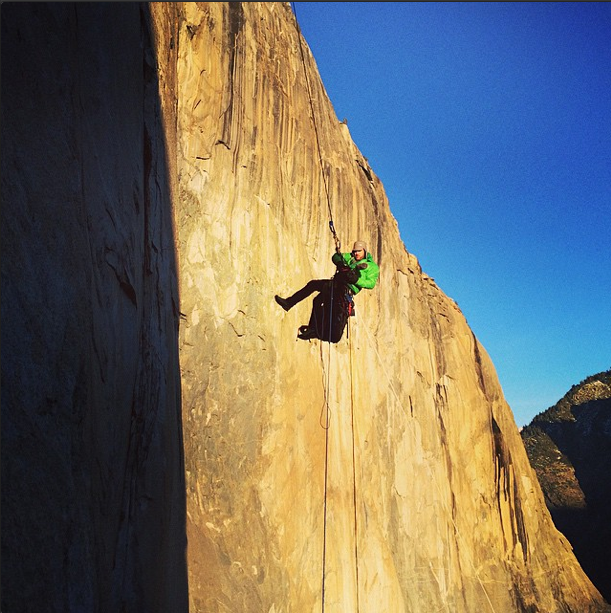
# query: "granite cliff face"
166 171
569 446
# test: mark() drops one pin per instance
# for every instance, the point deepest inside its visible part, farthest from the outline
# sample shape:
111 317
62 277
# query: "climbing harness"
348 304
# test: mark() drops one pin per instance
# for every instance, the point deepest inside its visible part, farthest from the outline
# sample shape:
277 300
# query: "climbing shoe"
306 333
283 302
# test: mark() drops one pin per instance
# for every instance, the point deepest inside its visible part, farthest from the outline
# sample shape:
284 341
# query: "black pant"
329 315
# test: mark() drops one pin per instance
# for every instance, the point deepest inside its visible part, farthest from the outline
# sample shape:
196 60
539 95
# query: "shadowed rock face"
93 503
382 473
569 446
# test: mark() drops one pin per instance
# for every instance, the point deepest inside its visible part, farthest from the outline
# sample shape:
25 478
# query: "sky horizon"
488 126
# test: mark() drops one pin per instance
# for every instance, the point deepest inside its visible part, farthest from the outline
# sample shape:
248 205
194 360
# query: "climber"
355 271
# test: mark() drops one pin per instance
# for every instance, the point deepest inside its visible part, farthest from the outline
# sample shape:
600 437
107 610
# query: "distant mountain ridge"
569 446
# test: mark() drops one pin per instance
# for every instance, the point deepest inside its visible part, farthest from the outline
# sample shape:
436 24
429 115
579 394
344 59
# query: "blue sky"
489 125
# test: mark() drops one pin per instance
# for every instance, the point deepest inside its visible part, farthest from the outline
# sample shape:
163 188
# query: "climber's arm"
369 275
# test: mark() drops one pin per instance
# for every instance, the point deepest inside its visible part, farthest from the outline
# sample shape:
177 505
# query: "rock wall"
419 495
93 494
166 169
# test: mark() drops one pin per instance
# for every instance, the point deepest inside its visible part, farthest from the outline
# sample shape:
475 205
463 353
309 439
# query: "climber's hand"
337 259
362 265
352 276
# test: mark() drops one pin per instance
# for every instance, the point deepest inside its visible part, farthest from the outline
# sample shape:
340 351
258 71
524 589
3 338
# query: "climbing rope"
337 248
324 540
327 410
356 532
322 169
326 426
331 305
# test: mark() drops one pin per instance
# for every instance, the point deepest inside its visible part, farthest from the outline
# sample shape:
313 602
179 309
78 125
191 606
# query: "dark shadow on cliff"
590 536
93 489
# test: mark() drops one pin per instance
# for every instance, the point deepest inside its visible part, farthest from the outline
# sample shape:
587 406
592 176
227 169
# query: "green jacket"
368 276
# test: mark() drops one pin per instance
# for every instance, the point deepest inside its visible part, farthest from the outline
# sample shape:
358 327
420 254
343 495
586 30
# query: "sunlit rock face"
419 495
166 169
